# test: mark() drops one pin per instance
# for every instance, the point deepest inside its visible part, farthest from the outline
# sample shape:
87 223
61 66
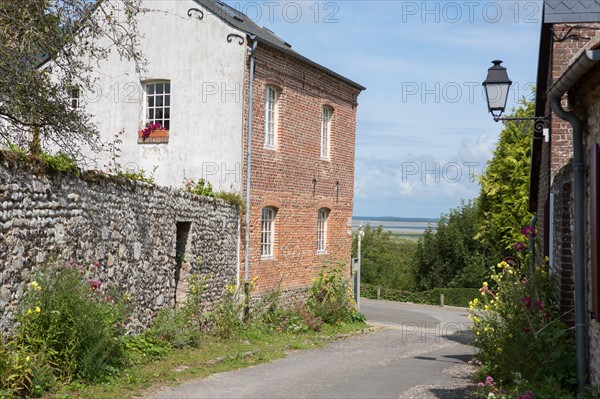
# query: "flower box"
156 137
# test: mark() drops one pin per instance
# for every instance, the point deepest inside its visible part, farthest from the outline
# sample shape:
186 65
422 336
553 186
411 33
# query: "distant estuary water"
396 225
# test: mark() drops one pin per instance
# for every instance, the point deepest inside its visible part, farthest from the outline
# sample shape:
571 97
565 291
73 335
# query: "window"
158 103
271 115
325 131
267 233
322 230
74 97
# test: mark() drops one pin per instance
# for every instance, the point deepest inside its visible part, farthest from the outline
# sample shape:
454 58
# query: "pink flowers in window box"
154 129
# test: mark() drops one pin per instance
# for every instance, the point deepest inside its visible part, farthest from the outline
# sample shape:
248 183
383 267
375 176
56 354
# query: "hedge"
452 296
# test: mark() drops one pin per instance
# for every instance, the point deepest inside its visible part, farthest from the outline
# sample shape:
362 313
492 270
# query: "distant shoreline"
393 219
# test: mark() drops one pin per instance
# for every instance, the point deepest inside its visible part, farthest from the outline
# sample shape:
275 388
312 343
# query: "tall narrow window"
158 103
325 131
322 230
271 115
74 97
267 233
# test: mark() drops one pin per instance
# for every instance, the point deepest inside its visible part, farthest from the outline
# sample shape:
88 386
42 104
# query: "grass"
213 356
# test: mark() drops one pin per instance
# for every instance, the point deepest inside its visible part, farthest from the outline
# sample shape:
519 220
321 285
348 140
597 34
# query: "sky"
423 131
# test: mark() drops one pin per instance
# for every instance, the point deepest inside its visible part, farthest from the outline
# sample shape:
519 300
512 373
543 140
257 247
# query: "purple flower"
526 302
540 305
527 395
519 247
528 231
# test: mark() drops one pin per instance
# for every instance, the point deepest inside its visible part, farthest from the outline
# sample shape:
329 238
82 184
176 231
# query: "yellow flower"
37 309
127 296
510 336
35 286
478 333
475 301
487 307
29 311
28 358
485 284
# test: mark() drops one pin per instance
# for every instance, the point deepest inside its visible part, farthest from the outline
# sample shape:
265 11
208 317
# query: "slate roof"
571 11
240 21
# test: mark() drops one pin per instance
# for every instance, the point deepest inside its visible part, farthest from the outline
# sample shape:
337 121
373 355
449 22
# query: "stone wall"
146 239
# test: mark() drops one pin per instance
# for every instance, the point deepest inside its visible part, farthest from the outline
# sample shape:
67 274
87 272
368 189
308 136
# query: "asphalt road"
416 353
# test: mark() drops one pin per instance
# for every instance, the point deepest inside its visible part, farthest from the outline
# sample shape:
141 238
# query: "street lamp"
497 86
361 233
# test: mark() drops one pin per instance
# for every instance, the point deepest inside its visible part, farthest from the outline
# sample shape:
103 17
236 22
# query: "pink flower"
94 284
489 380
480 384
519 247
526 330
526 302
527 395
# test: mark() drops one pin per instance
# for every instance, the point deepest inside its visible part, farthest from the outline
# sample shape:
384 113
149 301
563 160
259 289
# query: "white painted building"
193 85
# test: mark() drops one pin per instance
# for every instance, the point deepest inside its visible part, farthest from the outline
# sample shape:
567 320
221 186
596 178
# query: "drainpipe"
582 64
248 170
532 242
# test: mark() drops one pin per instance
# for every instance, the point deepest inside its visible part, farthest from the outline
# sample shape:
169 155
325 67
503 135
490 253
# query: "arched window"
271 116
326 131
267 241
322 230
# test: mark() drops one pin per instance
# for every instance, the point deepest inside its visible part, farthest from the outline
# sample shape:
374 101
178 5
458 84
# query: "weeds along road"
418 352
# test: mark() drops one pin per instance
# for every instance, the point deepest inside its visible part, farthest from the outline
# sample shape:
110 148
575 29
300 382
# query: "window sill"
156 137
270 147
322 252
326 159
267 257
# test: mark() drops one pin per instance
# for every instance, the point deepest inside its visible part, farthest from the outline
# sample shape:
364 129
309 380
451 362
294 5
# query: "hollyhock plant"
519 247
528 231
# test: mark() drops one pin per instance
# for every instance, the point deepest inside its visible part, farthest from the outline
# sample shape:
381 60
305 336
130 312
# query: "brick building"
197 86
567 70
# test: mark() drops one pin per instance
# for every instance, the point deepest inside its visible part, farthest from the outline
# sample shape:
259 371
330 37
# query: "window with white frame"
322 230
267 233
325 131
74 97
158 103
271 116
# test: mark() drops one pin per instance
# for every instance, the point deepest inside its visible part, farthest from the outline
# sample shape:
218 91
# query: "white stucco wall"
206 122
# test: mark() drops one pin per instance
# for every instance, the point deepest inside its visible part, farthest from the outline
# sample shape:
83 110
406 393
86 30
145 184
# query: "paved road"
414 355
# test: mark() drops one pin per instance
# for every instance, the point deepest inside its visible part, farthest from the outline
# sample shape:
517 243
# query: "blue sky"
423 129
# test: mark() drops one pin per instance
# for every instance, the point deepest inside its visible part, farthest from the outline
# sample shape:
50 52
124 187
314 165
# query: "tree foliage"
385 260
47 48
451 256
504 197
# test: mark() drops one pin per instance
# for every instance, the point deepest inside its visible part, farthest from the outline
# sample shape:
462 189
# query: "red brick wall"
555 171
585 102
293 179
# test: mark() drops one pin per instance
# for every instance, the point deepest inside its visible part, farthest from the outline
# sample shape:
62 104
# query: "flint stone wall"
129 228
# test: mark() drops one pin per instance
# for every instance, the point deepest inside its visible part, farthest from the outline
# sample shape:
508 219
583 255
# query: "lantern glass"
497 95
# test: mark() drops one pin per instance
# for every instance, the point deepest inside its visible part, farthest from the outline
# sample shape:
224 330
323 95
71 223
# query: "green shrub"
60 162
518 329
73 322
181 327
330 297
452 296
